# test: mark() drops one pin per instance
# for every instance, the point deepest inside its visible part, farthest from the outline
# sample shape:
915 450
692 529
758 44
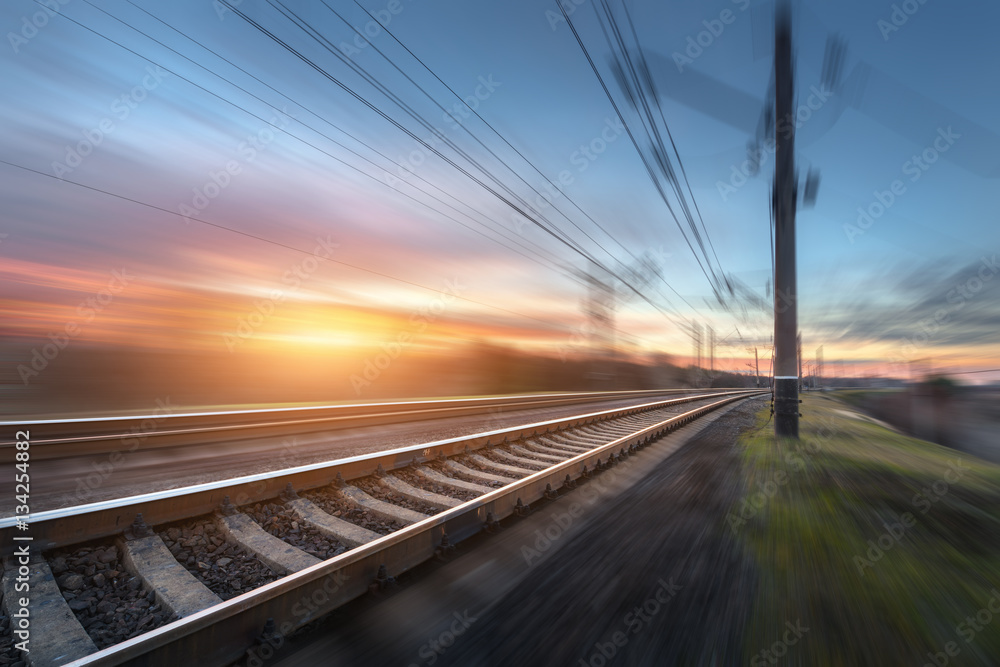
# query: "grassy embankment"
886 547
860 398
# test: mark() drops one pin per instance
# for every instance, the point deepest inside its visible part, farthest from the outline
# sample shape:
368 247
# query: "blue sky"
864 295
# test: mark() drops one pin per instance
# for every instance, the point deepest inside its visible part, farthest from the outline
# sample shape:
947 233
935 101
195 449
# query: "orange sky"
160 312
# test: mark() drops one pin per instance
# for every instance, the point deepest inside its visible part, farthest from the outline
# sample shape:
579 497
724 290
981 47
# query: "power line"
263 239
658 273
624 62
680 162
360 70
557 234
326 44
311 145
494 130
621 54
267 240
628 130
426 94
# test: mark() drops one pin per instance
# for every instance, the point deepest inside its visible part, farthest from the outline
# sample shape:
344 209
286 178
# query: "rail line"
55 438
230 564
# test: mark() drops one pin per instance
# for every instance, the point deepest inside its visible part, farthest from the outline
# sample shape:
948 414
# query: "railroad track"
56 438
202 574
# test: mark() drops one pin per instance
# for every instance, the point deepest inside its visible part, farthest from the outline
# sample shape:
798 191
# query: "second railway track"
201 574
54 438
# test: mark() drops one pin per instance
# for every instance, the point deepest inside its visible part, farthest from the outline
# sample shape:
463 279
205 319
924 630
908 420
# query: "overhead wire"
620 51
269 241
401 127
371 80
631 136
656 100
492 128
385 28
657 272
462 126
357 68
325 136
264 239
555 234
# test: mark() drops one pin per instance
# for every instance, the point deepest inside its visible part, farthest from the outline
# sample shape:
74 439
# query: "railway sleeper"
618 432
51 617
413 477
519 450
479 459
410 492
385 511
444 480
574 440
466 471
604 430
343 531
535 448
554 441
532 465
272 551
175 588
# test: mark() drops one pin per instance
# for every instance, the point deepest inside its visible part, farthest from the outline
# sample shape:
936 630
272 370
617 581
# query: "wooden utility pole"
786 380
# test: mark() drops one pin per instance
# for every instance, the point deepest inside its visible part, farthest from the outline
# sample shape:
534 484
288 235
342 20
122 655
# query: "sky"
173 176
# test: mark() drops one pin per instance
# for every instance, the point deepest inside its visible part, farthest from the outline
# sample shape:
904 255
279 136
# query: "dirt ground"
656 578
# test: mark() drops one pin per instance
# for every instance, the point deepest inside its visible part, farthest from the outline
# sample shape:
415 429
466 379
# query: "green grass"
861 397
833 491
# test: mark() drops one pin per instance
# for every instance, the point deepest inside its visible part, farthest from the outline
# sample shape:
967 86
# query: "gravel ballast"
376 490
426 484
329 501
110 603
9 656
223 567
282 522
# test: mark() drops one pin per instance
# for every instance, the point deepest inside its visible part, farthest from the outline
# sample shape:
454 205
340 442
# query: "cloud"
932 304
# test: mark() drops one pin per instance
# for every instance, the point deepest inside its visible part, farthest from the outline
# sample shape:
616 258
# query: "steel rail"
222 633
55 438
81 523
